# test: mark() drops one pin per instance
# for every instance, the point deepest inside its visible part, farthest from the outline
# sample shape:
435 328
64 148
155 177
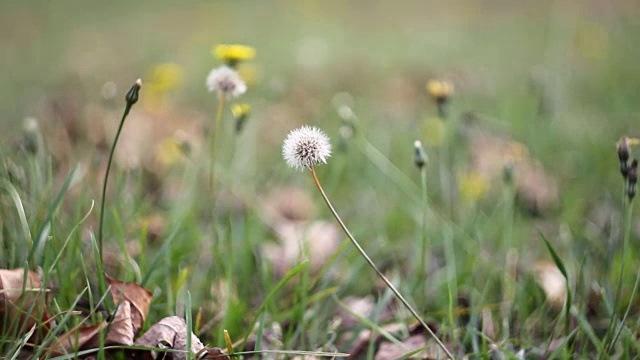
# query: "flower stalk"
214 142
374 267
131 98
308 146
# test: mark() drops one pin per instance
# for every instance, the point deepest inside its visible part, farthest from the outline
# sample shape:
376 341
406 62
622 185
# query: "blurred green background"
559 77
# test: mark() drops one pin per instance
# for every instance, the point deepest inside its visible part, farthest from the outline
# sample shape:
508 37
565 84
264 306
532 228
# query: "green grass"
212 269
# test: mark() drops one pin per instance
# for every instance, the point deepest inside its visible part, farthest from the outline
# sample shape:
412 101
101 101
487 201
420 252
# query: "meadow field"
482 155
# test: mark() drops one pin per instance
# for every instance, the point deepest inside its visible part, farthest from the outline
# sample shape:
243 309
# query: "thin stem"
106 177
626 312
425 207
375 268
625 245
508 280
214 143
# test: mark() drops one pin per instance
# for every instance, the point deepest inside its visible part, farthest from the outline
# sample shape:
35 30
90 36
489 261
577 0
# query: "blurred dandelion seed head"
231 54
305 147
226 82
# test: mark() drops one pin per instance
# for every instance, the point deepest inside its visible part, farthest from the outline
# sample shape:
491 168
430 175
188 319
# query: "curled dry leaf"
22 296
136 295
75 339
120 332
170 333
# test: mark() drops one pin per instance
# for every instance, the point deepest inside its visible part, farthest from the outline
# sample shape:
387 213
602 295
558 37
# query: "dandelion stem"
214 143
625 245
626 312
425 207
375 268
106 177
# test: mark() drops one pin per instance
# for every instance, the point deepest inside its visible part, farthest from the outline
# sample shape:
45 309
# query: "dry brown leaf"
28 301
362 306
389 350
170 332
366 336
120 332
139 298
76 339
287 203
271 337
552 283
418 339
488 326
319 239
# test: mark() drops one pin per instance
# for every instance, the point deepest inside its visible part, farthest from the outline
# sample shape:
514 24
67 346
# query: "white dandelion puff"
305 147
226 82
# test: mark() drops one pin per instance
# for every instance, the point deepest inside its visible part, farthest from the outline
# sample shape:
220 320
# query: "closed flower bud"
419 157
132 94
623 148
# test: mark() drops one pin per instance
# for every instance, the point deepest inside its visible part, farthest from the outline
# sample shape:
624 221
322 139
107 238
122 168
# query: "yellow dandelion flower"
161 79
166 77
232 54
517 152
433 132
240 113
170 151
472 186
633 141
440 90
240 110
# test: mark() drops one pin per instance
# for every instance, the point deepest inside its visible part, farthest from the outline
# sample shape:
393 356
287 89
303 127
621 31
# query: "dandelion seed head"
305 147
226 82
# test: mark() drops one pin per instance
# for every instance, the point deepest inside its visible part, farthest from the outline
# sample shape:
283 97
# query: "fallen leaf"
296 239
552 283
76 339
170 333
136 295
287 203
362 306
23 296
389 350
120 332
